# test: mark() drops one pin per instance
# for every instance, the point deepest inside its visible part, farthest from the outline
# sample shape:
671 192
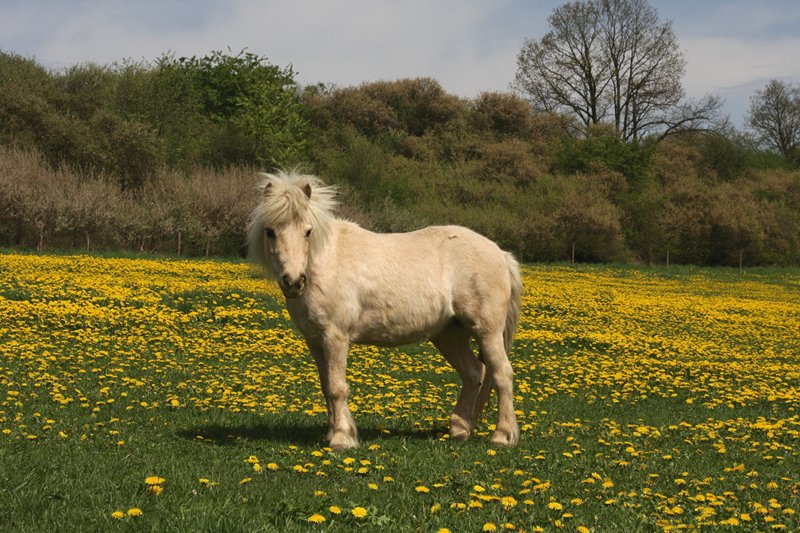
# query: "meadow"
173 395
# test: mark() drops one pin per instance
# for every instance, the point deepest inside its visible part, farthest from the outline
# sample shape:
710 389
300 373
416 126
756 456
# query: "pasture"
142 394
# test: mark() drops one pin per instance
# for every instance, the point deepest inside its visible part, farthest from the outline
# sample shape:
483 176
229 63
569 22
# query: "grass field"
175 396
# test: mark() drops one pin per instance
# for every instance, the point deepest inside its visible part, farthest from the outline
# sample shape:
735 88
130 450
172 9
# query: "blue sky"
732 47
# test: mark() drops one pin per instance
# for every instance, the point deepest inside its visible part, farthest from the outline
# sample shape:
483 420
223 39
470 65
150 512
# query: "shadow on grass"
224 435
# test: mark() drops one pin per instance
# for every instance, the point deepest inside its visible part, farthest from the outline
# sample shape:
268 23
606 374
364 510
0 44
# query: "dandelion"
118 515
555 506
489 526
134 511
245 480
508 502
359 512
334 509
154 480
316 519
422 489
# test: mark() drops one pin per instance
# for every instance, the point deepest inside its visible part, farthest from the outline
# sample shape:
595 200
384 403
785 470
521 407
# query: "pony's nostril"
302 280
287 281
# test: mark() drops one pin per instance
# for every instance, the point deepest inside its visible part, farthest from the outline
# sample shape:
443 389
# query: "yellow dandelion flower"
358 512
134 511
118 515
435 508
245 480
422 489
442 530
316 518
154 480
334 509
489 526
272 466
508 501
155 489
555 506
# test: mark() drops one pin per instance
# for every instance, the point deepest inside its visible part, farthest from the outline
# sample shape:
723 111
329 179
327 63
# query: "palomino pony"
344 284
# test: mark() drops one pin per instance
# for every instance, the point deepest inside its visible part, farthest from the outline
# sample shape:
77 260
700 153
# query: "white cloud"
720 64
734 69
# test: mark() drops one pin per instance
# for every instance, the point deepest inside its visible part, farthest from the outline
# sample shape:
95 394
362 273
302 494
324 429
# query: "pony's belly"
381 329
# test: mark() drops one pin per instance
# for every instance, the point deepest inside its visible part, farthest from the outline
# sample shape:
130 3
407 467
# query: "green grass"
677 389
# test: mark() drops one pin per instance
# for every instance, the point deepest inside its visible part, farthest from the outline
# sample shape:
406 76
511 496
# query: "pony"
344 284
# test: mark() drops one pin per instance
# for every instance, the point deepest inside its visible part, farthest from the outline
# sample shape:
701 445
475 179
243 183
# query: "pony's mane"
283 200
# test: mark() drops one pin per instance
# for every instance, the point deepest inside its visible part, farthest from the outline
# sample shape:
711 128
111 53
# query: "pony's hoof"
505 439
342 441
459 428
459 434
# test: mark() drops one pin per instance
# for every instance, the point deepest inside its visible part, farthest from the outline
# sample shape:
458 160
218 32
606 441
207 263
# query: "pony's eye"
270 233
308 232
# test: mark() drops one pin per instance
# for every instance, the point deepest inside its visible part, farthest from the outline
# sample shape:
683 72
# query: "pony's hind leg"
499 370
453 342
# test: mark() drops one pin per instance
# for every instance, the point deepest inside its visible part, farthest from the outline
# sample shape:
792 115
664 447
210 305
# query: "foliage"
161 156
175 396
130 119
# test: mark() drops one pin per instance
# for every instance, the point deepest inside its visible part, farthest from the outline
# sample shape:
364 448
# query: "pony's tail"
514 302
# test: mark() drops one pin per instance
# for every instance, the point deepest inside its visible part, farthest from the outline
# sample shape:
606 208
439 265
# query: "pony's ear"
267 189
307 190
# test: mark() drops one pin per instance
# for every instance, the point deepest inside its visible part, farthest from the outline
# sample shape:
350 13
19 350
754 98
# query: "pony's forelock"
284 200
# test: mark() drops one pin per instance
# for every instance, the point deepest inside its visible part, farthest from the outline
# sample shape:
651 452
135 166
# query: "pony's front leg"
322 369
343 433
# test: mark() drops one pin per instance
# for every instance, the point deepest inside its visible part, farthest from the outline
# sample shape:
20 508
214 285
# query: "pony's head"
291 221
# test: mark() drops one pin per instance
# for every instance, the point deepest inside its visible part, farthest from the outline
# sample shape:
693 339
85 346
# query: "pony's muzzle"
293 288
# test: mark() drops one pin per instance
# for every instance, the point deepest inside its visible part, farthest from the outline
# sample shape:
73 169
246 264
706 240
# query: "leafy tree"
254 102
611 61
775 118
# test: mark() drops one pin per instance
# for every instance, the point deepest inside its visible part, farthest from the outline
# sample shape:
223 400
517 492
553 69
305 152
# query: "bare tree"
775 117
612 61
